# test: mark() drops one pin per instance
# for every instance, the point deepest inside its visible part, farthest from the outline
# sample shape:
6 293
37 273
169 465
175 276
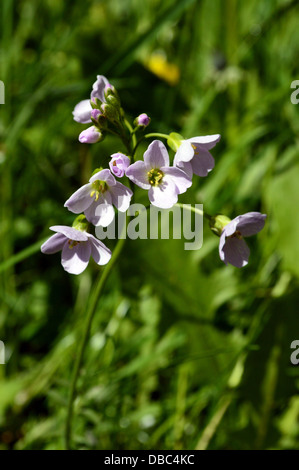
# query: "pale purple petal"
74 259
100 253
103 199
186 167
103 175
156 155
184 153
137 172
100 214
165 195
82 112
179 177
91 135
221 245
98 88
70 232
250 223
203 163
54 244
234 251
80 200
121 196
207 142
230 228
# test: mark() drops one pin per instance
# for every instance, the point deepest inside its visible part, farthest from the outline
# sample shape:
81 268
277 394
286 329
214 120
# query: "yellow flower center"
98 187
73 243
237 234
155 177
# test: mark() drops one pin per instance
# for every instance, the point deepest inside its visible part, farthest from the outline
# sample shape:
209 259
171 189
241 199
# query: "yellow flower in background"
158 64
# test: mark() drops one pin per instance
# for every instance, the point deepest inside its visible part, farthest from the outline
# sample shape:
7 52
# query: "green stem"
30 250
132 133
156 134
110 131
194 209
148 136
91 309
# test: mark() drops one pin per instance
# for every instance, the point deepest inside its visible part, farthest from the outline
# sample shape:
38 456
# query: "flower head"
77 247
163 182
232 247
97 198
118 164
193 154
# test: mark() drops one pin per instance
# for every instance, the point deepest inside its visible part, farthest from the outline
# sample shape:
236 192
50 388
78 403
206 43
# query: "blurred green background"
184 352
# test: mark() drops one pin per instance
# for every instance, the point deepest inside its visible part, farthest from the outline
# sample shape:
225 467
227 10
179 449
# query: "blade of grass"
120 61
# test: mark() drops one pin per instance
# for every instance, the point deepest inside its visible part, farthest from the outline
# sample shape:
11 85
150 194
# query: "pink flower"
162 181
77 247
97 198
193 155
232 247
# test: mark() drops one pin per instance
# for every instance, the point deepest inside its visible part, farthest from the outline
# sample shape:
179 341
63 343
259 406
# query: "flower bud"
98 119
113 101
91 135
95 102
118 164
110 112
142 120
218 222
111 91
95 113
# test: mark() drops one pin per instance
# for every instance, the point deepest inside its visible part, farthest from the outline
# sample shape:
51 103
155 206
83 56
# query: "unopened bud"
110 112
142 120
91 135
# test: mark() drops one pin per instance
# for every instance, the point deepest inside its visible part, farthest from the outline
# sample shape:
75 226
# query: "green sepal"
81 223
218 222
174 141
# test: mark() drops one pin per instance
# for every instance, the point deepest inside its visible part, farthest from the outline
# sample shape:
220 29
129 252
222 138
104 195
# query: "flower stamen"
99 187
73 243
237 234
155 177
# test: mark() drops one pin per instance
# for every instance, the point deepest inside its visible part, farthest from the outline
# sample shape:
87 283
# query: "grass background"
184 352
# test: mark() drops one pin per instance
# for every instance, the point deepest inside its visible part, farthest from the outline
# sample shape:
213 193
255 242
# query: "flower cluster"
96 201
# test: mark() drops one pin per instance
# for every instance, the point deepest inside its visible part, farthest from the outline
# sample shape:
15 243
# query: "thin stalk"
156 134
30 250
148 136
91 309
132 132
194 209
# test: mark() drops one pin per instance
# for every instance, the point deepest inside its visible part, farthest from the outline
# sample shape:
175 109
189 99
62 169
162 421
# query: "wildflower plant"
96 201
